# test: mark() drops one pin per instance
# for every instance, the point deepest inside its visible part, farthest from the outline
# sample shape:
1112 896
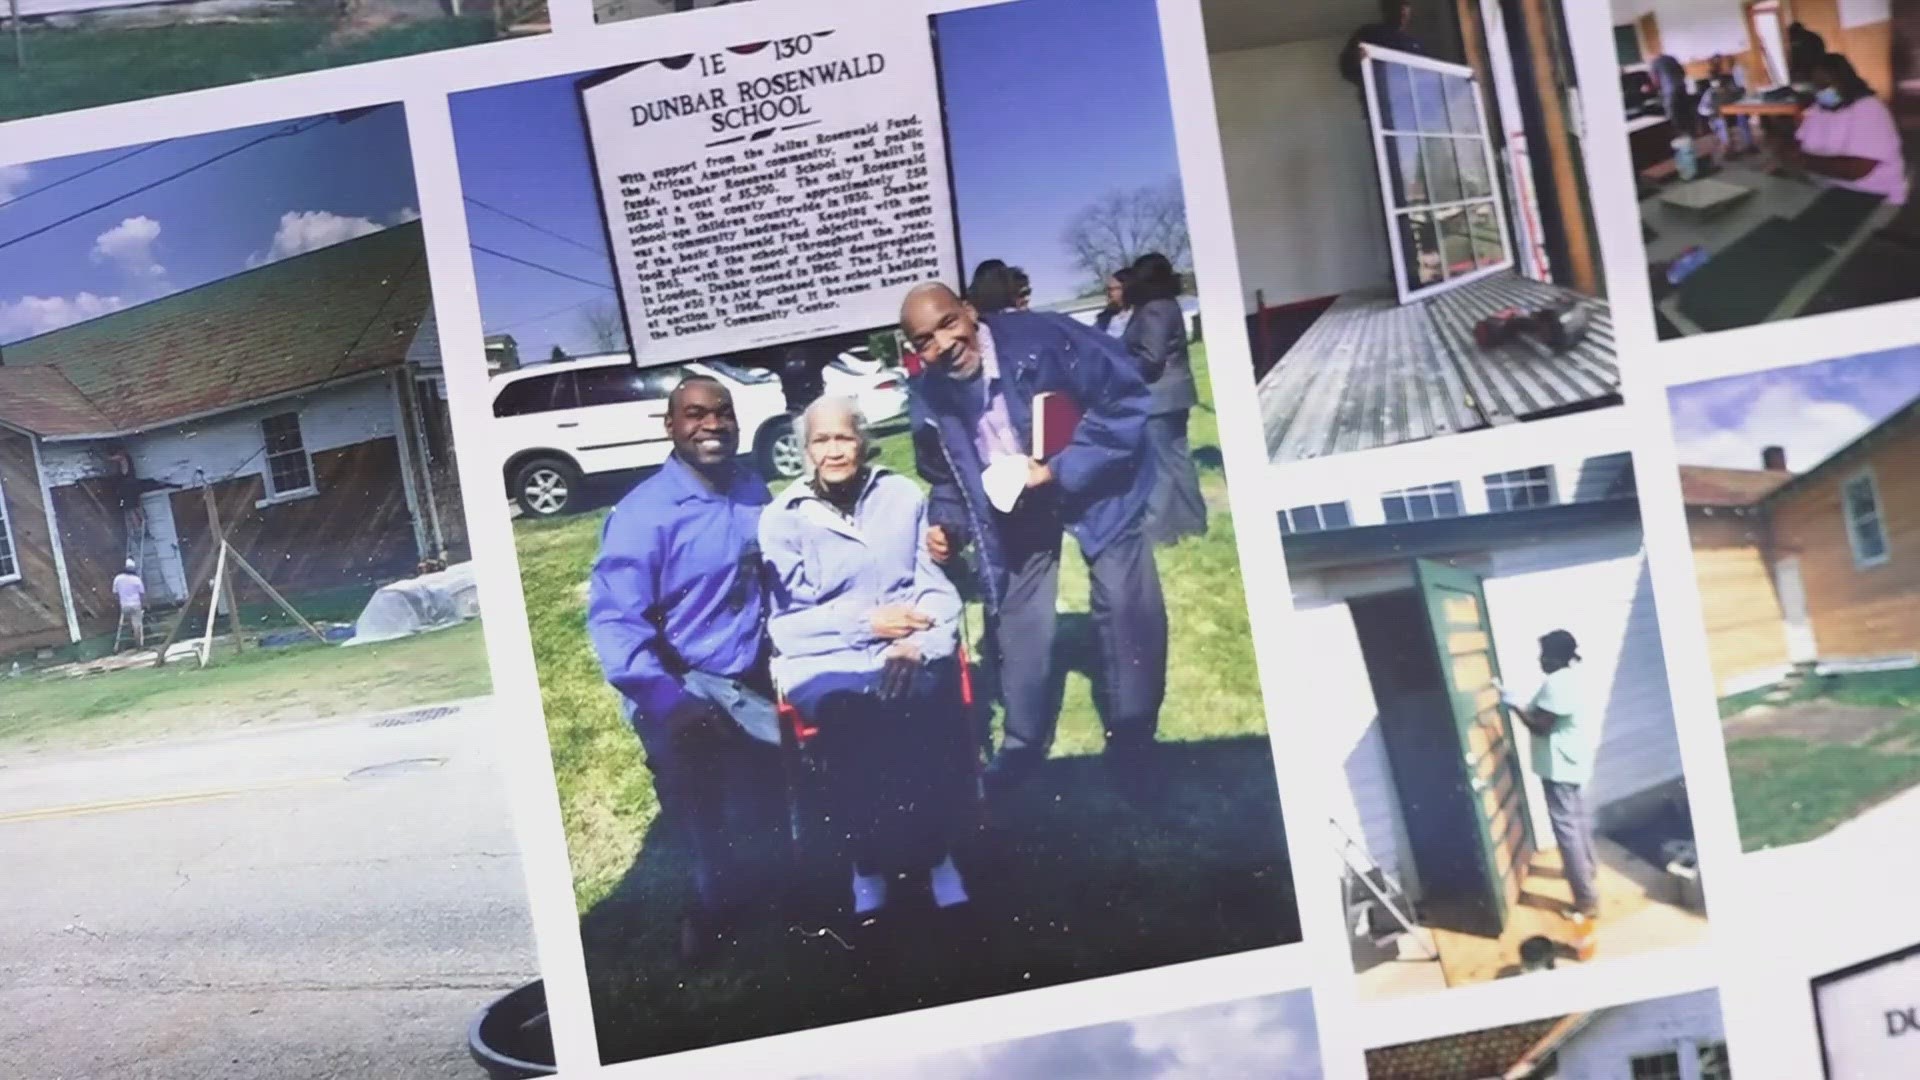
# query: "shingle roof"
343 310
1703 485
1473 1055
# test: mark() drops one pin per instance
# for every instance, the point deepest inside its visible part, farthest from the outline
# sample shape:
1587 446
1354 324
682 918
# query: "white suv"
600 414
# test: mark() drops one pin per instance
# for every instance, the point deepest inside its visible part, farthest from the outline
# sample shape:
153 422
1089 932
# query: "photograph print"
1671 1038
884 597
1417 247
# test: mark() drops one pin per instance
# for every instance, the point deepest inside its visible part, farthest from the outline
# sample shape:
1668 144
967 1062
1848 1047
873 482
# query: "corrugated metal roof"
343 310
1372 372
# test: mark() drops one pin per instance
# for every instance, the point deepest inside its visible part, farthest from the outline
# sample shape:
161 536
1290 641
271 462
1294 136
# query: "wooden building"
1819 569
305 396
1416 597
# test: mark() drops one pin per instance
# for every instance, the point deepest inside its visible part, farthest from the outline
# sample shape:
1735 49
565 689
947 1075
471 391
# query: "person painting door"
1565 731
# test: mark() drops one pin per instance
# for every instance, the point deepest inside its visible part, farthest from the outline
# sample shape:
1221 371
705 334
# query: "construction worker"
132 594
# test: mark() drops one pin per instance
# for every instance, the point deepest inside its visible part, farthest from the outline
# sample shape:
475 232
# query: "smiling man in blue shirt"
676 609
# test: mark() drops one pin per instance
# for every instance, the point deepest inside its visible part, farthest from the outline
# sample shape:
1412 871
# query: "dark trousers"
897 772
1573 831
720 789
1175 507
1129 627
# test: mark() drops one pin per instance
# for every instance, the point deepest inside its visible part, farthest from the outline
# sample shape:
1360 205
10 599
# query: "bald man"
972 406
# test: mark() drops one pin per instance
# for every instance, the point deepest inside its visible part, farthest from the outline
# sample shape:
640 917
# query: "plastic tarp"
417 605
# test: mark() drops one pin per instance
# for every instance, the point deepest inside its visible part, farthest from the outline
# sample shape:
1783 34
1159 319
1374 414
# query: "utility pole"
226 586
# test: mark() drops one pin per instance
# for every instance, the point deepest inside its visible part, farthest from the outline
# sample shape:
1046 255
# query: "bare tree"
1121 226
605 328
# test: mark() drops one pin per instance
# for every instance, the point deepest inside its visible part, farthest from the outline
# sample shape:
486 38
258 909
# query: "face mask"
1828 98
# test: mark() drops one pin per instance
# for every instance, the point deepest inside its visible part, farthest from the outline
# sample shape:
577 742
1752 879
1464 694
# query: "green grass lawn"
260 686
1791 790
80 68
1073 881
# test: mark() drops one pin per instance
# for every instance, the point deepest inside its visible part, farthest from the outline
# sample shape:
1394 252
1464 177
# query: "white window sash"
274 493
11 573
1406 289
1875 518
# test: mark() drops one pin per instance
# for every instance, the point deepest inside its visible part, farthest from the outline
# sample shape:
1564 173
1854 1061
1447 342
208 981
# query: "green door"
1488 761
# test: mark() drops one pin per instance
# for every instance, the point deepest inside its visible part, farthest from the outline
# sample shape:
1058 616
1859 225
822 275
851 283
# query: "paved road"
245 907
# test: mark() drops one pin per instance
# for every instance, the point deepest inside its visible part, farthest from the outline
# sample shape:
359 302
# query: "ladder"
1378 890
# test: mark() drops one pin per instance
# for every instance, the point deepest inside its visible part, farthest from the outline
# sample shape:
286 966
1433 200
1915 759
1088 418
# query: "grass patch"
1792 790
1073 883
260 686
84 67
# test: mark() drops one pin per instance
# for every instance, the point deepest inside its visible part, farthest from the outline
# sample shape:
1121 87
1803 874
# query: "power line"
535 226
83 172
540 266
545 315
290 129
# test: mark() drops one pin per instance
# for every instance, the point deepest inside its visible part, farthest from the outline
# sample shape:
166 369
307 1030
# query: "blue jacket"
828 575
1101 481
690 556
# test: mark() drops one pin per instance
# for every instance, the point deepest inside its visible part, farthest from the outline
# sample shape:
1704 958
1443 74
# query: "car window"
660 381
614 385
534 395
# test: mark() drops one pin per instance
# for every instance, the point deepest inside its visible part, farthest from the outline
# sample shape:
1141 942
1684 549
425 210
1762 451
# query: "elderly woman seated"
865 631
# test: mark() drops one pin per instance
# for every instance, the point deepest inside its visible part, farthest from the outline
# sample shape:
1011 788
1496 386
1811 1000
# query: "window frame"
274 494
1503 478
1718 1046
13 548
1289 528
1430 491
1879 519
1407 290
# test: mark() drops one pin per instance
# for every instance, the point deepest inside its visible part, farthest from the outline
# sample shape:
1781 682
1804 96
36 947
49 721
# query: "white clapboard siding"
1592 583
1614 1037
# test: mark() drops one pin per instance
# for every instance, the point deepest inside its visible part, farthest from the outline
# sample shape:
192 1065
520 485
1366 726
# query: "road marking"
154 801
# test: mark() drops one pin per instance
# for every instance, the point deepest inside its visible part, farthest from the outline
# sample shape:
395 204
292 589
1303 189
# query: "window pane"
1462 114
1396 509
1489 247
1860 498
1335 516
1419 249
660 381
1286 524
1395 91
1446 503
1455 245
8 567
1443 177
1430 100
1403 169
609 386
1713 1062
1472 157
1868 540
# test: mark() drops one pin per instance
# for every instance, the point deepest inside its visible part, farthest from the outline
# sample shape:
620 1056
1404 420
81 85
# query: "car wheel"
545 487
777 452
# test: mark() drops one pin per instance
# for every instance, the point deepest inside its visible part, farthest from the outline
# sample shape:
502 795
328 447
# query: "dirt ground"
1817 721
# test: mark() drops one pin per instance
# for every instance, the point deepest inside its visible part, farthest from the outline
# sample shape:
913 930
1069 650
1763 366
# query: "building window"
1860 502
289 470
1423 503
9 561
1520 489
1713 1062
1664 1066
1313 519
1446 221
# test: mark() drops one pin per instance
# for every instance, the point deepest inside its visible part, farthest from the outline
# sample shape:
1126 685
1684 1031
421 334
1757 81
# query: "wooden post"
222 588
213 604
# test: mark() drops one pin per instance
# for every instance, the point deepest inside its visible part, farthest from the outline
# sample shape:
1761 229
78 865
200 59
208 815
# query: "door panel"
1488 763
1801 646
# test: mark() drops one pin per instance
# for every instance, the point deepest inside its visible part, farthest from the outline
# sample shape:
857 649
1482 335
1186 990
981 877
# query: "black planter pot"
510 1038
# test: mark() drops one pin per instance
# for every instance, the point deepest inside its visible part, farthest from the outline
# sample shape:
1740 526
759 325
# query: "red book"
1055 417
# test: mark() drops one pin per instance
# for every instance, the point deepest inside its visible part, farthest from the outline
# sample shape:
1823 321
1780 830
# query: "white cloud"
404 216
302 231
13 180
129 245
1782 414
32 315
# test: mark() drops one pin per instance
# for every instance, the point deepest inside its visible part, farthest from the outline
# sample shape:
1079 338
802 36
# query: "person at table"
1392 31
675 608
865 629
1157 337
1804 50
1848 138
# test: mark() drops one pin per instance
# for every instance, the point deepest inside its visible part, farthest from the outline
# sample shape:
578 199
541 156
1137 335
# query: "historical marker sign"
773 192
1869 1018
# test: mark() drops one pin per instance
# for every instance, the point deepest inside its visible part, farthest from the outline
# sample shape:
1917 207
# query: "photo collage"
1022 538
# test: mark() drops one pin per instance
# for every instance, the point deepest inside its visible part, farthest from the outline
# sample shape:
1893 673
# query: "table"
1751 107
1773 196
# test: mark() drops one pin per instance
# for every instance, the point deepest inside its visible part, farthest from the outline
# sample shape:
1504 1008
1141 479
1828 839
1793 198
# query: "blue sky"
281 197
1050 105
1811 410
1269 1037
